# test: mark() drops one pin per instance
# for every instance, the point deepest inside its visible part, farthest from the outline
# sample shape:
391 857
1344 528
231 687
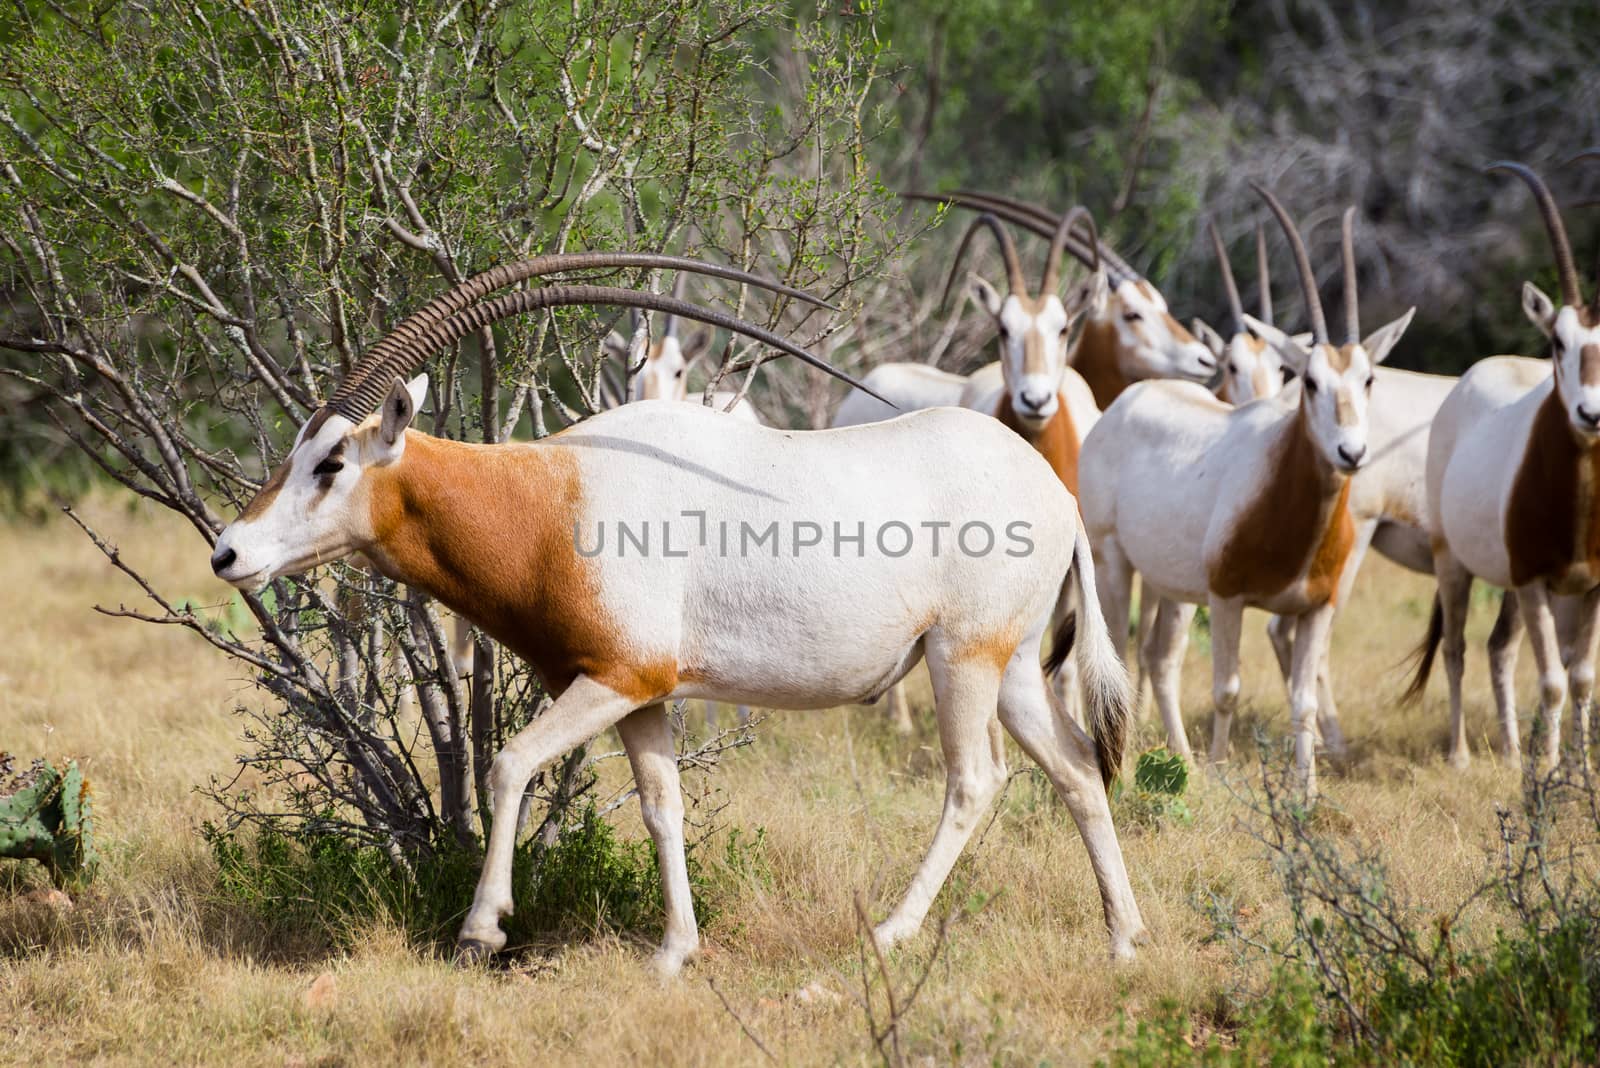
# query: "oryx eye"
1311 384
679 374
1131 317
1371 379
328 468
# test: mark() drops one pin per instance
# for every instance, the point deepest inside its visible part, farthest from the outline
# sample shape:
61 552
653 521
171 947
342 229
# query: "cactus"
46 815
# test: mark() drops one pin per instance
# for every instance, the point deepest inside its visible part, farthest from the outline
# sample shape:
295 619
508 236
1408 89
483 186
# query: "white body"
1175 483
509 534
1479 444
912 387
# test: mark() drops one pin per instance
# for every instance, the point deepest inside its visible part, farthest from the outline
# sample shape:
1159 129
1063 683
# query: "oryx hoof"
474 952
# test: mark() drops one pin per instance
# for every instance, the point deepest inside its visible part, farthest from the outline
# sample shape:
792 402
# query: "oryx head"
316 506
1573 327
1251 368
1147 341
1150 342
1032 329
1336 379
661 371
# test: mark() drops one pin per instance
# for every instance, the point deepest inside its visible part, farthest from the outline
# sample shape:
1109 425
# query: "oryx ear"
1382 341
1304 340
695 346
985 294
1539 309
400 407
616 345
1208 337
1289 349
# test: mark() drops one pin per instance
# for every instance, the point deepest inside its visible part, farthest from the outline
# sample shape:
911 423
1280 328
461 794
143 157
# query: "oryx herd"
990 525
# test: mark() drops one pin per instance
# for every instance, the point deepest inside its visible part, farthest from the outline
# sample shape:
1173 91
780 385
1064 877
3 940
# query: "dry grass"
151 967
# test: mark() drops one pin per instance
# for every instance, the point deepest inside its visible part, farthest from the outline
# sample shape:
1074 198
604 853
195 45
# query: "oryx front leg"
1227 613
1580 668
1169 633
584 710
966 689
1311 635
647 736
1540 620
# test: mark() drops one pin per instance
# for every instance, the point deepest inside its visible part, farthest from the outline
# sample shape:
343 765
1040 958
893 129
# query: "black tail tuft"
1061 644
1423 654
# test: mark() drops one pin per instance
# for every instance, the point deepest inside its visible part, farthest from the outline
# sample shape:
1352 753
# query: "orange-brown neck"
488 530
1298 527
1056 441
1553 517
1096 358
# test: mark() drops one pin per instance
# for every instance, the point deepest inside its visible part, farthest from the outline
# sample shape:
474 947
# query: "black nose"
1352 456
222 559
1592 418
1034 401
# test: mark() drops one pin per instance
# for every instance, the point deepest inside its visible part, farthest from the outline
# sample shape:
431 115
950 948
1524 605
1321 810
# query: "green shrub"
325 887
46 815
1160 779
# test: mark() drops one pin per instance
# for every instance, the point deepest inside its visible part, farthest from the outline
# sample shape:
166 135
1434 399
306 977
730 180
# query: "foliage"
1156 795
46 815
587 880
1364 979
210 209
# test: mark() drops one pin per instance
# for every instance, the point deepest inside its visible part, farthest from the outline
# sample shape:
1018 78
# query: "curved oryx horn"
1235 305
369 380
1302 263
1036 220
1570 293
1589 153
670 327
1008 249
1058 243
1352 300
994 202
430 339
1263 274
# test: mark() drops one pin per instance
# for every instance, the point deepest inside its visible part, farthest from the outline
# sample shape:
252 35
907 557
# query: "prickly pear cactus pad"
45 815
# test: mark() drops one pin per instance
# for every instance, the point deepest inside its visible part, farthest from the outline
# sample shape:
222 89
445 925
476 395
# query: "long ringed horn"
1008 249
439 335
1589 153
1263 274
1570 293
1302 263
359 394
1058 243
1352 299
1105 252
1235 305
1035 220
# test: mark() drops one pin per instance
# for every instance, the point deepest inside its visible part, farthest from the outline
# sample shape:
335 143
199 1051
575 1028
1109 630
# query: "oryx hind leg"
647 737
1067 756
966 687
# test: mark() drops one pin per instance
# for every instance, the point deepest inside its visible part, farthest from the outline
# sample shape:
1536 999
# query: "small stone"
322 992
50 897
815 993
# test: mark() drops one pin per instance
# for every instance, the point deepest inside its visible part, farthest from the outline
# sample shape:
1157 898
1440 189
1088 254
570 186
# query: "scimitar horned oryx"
850 596
1237 507
1511 491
